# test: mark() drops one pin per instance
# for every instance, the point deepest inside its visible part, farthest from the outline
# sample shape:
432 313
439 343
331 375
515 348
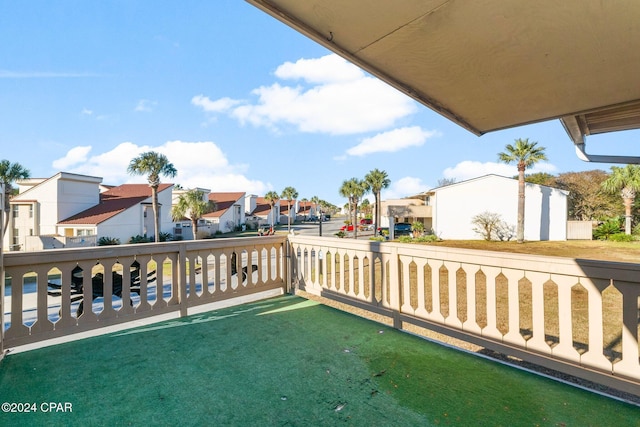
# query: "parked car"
401 229
366 221
347 227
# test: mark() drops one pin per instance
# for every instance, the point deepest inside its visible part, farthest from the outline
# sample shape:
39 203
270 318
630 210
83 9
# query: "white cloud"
327 69
219 106
74 156
469 169
199 164
403 187
145 105
86 112
391 141
338 99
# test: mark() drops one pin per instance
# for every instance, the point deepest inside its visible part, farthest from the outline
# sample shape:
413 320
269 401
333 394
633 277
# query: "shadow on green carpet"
287 362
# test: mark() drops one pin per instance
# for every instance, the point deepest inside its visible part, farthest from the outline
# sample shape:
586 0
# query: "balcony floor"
285 361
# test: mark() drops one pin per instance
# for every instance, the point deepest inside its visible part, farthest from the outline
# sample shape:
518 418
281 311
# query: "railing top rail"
548 264
13 259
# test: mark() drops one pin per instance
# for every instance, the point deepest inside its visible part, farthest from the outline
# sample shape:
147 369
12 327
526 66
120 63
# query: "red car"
347 227
366 221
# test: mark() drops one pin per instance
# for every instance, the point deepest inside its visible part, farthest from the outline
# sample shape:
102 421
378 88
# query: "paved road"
329 228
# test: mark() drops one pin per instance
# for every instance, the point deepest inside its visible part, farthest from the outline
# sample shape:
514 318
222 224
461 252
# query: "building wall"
454 207
53 199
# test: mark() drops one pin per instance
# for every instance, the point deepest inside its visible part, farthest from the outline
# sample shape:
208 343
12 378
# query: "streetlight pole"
320 222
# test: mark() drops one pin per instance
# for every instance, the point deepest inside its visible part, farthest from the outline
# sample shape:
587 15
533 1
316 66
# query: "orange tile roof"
113 202
262 207
223 202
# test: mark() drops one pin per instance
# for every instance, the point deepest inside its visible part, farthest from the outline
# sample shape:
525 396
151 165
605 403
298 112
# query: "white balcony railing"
576 316
47 292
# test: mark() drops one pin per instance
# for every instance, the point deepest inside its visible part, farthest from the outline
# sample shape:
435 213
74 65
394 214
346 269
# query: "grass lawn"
585 249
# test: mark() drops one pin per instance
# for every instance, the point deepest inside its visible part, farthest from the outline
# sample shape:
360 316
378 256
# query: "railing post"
395 291
182 280
288 272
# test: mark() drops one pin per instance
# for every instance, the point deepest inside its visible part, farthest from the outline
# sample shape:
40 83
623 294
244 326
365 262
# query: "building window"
16 211
16 236
30 211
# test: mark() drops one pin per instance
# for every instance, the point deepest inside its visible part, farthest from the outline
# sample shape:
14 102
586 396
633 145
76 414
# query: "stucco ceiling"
491 64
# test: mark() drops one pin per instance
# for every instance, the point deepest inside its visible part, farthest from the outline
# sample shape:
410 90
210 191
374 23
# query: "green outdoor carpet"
285 362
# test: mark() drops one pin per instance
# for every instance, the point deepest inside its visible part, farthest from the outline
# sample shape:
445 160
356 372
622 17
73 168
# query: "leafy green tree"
525 154
626 180
587 200
353 189
9 173
153 165
289 194
192 205
375 181
272 198
540 178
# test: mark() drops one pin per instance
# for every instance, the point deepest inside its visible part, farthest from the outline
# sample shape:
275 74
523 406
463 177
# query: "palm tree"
627 181
315 200
353 189
304 209
375 181
9 173
272 197
525 154
289 194
153 165
192 205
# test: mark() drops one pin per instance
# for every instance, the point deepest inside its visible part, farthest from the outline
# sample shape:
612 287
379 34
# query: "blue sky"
235 99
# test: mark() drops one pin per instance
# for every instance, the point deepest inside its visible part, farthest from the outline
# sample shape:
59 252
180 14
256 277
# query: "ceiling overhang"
491 64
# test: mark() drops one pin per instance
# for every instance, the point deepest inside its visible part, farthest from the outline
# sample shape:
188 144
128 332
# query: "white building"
454 206
448 211
41 203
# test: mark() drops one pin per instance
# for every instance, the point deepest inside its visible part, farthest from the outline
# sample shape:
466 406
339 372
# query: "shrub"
165 237
622 237
486 224
378 239
341 234
108 241
139 239
605 230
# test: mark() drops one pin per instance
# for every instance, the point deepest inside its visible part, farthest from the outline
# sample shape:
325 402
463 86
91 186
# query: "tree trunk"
628 204
520 228
156 215
194 227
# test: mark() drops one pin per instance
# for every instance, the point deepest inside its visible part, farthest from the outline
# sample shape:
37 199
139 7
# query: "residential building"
124 211
448 211
229 214
41 203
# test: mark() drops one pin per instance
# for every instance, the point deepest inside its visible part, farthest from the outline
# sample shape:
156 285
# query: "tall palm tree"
272 197
289 194
9 173
304 209
192 205
353 189
315 200
627 181
153 165
525 154
375 181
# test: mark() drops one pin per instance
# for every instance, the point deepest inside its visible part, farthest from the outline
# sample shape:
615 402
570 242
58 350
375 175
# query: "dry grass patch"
585 249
